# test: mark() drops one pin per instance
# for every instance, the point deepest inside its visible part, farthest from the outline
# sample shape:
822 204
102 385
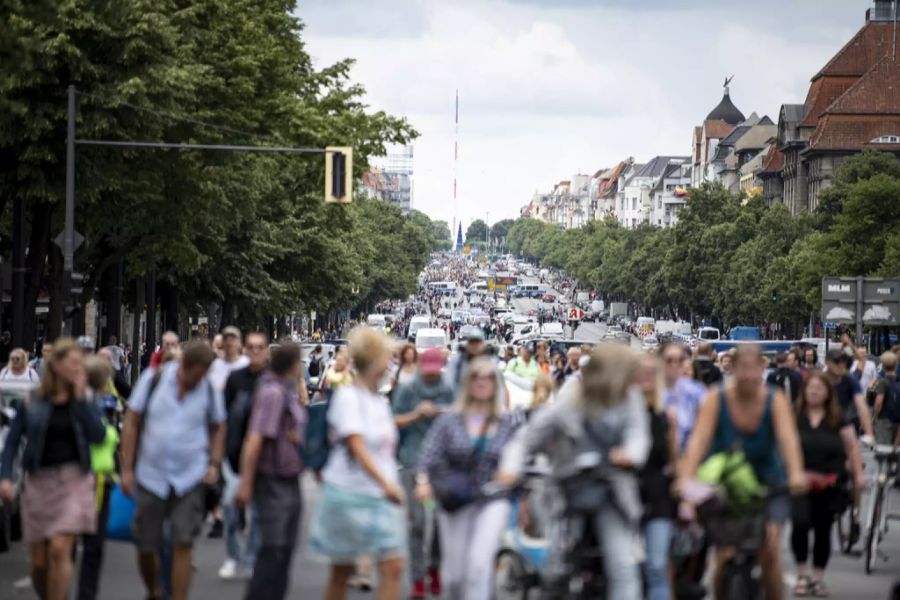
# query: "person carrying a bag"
460 458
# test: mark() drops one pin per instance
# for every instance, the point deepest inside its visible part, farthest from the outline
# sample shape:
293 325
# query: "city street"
846 575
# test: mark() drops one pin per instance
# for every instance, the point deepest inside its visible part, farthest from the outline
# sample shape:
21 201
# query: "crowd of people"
425 455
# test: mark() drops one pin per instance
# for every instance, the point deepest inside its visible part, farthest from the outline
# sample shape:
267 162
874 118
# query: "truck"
618 309
673 327
744 334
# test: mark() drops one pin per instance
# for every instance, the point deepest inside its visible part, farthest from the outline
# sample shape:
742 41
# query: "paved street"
120 578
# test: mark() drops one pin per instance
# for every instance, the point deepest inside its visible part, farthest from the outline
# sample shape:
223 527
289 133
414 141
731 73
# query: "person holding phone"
58 425
416 404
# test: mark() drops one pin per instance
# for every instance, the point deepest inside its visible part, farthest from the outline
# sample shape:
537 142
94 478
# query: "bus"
443 287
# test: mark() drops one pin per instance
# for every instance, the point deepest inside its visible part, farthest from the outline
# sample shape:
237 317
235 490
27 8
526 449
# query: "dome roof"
726 111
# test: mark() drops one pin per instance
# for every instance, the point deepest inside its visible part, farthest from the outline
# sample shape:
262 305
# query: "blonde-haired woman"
58 425
602 413
18 369
656 478
360 511
460 456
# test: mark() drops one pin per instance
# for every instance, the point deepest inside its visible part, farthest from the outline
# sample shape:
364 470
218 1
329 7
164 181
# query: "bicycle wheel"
511 579
872 531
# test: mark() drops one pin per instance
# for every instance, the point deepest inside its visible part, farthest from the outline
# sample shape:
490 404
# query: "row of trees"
478 232
733 258
248 233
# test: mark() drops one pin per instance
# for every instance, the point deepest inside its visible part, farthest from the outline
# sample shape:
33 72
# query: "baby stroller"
523 550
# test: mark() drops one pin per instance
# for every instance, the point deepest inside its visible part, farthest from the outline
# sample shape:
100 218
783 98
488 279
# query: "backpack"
236 428
317 444
315 367
890 408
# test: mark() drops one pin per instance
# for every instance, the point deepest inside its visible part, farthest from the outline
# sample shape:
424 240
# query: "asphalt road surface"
845 575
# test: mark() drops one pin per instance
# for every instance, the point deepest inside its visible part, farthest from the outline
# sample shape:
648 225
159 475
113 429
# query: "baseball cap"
431 362
231 330
475 334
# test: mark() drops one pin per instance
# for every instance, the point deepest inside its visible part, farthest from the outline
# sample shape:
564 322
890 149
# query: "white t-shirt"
220 369
28 375
355 410
117 355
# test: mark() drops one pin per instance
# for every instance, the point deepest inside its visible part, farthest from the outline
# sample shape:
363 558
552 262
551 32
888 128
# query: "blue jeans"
618 544
245 553
658 538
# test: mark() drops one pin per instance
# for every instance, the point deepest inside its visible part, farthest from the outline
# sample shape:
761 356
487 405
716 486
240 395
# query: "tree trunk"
54 286
41 213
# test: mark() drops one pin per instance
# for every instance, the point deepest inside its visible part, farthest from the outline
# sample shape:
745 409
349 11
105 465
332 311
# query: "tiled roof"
857 56
717 129
792 113
876 92
837 133
757 138
866 110
658 165
868 45
735 135
774 160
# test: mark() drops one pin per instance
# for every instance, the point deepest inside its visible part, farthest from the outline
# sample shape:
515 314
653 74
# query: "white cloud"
548 89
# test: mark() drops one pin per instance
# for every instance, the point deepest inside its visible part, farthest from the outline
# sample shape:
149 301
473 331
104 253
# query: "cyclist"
600 409
745 412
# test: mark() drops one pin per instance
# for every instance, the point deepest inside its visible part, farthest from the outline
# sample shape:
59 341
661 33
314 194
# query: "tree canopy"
733 258
245 231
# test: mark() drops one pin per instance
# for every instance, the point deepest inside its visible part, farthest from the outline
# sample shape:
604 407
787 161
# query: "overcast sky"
550 88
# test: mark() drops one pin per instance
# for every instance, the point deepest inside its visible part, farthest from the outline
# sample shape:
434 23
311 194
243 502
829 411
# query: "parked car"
548 298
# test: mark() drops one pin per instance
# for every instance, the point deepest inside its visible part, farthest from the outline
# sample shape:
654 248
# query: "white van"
416 323
376 321
430 338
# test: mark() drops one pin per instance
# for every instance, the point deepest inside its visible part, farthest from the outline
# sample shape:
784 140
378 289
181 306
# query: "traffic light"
338 174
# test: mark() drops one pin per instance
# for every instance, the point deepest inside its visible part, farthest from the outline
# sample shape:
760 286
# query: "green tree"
500 229
476 232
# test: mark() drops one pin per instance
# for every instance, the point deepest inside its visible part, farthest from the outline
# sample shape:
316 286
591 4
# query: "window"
634 204
659 203
670 187
887 139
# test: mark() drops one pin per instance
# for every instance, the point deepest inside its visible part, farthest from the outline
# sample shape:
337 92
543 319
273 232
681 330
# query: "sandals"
802 587
818 589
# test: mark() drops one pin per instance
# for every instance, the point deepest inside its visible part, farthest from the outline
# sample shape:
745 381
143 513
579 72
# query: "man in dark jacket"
788 379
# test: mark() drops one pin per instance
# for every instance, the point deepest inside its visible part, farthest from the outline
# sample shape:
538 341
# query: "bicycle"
887 459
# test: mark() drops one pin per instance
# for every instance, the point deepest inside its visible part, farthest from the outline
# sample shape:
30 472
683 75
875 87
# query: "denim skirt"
346 526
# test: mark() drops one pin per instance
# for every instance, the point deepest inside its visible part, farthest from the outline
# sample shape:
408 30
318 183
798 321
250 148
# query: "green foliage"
477 232
736 259
241 229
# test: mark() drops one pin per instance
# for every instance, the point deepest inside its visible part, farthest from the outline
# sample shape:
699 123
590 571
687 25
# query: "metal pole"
18 272
859 310
69 229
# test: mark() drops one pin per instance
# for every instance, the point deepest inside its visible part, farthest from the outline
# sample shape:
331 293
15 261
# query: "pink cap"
431 362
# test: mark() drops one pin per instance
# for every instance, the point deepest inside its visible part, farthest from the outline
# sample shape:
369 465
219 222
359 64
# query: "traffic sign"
576 314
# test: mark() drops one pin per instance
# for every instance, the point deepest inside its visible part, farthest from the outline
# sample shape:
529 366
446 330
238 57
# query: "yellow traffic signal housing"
338 174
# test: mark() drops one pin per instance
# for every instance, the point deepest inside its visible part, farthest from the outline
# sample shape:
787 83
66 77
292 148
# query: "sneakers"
435 576
361 581
216 530
418 590
231 570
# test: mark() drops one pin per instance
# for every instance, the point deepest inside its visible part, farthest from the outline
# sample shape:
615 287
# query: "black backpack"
315 367
236 428
890 408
